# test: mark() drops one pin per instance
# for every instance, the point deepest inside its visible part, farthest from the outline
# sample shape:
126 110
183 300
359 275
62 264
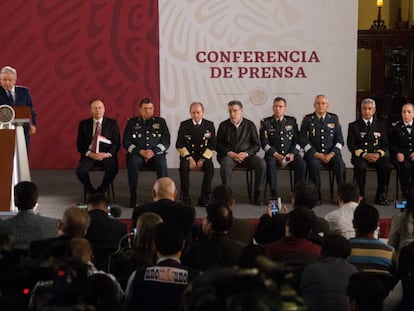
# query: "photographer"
402 224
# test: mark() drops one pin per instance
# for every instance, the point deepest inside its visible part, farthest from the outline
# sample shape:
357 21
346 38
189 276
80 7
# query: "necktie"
321 120
10 96
197 125
408 126
95 137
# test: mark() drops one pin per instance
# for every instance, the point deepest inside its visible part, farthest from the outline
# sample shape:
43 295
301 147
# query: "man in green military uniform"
146 138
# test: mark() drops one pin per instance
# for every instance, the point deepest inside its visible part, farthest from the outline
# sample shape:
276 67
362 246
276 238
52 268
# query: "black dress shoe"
381 201
202 202
258 202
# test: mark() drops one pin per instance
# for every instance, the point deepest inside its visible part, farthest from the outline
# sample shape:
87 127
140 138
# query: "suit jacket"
196 142
27 226
169 211
325 138
22 98
109 129
361 140
104 232
242 139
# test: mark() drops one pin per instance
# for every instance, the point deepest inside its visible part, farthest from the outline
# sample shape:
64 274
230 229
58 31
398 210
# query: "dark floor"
60 189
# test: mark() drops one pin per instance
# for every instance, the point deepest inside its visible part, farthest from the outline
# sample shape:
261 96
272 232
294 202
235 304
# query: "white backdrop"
319 38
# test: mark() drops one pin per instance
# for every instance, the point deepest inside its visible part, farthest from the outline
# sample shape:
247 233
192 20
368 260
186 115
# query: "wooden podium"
14 164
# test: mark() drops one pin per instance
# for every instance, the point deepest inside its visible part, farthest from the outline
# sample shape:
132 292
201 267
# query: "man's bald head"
164 188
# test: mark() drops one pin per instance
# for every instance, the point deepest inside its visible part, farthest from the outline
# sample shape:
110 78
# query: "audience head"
146 108
144 238
365 292
98 201
348 193
75 222
164 188
249 254
81 250
25 195
300 222
305 194
365 220
169 239
219 218
335 245
222 194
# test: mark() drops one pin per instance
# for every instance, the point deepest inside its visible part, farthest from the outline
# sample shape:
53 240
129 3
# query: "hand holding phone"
275 205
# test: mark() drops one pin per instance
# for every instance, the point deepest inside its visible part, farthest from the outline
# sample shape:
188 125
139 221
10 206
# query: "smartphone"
401 204
275 205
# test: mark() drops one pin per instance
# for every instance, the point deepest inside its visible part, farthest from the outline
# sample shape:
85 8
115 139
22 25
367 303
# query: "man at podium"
15 95
98 143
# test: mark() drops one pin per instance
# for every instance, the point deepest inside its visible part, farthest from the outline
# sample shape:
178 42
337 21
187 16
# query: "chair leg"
331 183
113 191
249 193
291 179
397 183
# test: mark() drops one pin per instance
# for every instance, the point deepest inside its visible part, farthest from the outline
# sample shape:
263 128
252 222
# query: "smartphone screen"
401 204
274 206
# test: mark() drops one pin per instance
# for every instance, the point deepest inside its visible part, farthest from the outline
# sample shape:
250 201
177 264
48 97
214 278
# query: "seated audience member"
98 143
402 224
74 224
241 229
405 273
104 232
367 253
164 194
272 227
340 220
27 226
217 249
293 249
142 252
160 287
323 284
365 293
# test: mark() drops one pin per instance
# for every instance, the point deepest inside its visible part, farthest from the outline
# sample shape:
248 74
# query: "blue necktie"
10 96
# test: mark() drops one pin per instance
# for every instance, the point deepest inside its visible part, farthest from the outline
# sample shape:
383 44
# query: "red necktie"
95 136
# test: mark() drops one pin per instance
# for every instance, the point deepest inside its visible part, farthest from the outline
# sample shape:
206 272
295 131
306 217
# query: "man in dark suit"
146 138
164 193
279 137
196 143
402 146
15 95
322 141
27 226
368 143
98 143
237 145
104 232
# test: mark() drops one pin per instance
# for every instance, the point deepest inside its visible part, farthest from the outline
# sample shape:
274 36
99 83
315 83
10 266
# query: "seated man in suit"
27 226
164 194
16 95
104 232
368 143
98 143
146 138
237 145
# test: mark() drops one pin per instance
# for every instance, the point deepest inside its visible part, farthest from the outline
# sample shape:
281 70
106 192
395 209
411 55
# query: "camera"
401 204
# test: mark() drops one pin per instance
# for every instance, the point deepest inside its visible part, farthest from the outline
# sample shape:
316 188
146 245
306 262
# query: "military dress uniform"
402 141
282 137
322 135
141 134
369 138
199 142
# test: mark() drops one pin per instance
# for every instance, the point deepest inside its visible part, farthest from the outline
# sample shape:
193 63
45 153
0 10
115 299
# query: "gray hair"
367 101
8 69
